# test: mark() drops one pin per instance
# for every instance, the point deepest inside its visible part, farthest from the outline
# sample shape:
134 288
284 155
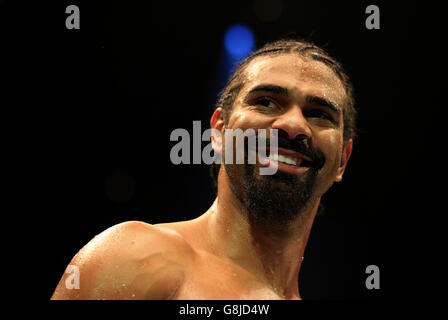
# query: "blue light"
239 40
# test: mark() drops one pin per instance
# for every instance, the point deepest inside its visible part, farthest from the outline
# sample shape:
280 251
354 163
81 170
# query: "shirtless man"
250 243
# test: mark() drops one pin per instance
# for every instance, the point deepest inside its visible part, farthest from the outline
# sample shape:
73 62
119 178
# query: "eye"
319 114
266 102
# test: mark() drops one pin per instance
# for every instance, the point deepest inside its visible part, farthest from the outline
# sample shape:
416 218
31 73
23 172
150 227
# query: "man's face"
303 99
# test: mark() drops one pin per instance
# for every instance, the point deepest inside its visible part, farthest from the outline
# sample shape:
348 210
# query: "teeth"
282 158
285 159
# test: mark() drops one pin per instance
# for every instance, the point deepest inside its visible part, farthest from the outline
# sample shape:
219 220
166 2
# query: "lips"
287 161
289 157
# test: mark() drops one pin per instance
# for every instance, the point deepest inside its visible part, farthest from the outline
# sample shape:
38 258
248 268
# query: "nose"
293 123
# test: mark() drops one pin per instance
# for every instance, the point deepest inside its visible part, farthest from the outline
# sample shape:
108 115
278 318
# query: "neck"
272 255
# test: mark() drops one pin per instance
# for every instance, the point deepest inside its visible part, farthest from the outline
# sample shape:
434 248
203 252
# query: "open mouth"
289 157
286 160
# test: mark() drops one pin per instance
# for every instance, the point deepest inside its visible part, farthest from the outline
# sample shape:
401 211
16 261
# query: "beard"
277 199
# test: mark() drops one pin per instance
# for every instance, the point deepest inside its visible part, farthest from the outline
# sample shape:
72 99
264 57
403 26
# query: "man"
250 243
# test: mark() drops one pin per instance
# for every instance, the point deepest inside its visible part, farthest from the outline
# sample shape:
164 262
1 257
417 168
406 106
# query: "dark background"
135 72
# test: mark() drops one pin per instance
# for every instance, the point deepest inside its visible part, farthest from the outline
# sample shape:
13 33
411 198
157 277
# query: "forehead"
294 72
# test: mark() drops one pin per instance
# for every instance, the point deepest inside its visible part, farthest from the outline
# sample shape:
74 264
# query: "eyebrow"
282 91
322 102
272 88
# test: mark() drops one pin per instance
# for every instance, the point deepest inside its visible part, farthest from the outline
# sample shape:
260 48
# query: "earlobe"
346 153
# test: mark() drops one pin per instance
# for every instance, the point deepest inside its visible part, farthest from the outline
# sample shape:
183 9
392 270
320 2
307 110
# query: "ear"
346 153
217 126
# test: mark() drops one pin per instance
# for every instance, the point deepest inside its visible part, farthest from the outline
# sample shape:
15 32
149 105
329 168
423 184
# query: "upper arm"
132 260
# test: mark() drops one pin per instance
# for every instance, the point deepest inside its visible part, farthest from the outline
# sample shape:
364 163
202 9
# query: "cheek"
331 146
247 119
332 140
235 119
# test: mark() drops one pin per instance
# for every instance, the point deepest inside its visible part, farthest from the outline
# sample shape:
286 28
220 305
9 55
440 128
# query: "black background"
135 72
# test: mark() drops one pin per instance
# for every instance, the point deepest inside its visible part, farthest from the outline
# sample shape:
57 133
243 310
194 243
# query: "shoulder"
135 240
132 259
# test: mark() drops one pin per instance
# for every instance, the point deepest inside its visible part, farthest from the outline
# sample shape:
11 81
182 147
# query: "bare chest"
210 278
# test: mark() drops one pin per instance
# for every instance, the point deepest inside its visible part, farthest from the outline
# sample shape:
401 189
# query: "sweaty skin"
221 255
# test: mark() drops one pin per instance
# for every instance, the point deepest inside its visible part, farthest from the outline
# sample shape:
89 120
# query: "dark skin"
221 254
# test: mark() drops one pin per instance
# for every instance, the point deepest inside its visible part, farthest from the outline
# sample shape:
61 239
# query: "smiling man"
250 243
